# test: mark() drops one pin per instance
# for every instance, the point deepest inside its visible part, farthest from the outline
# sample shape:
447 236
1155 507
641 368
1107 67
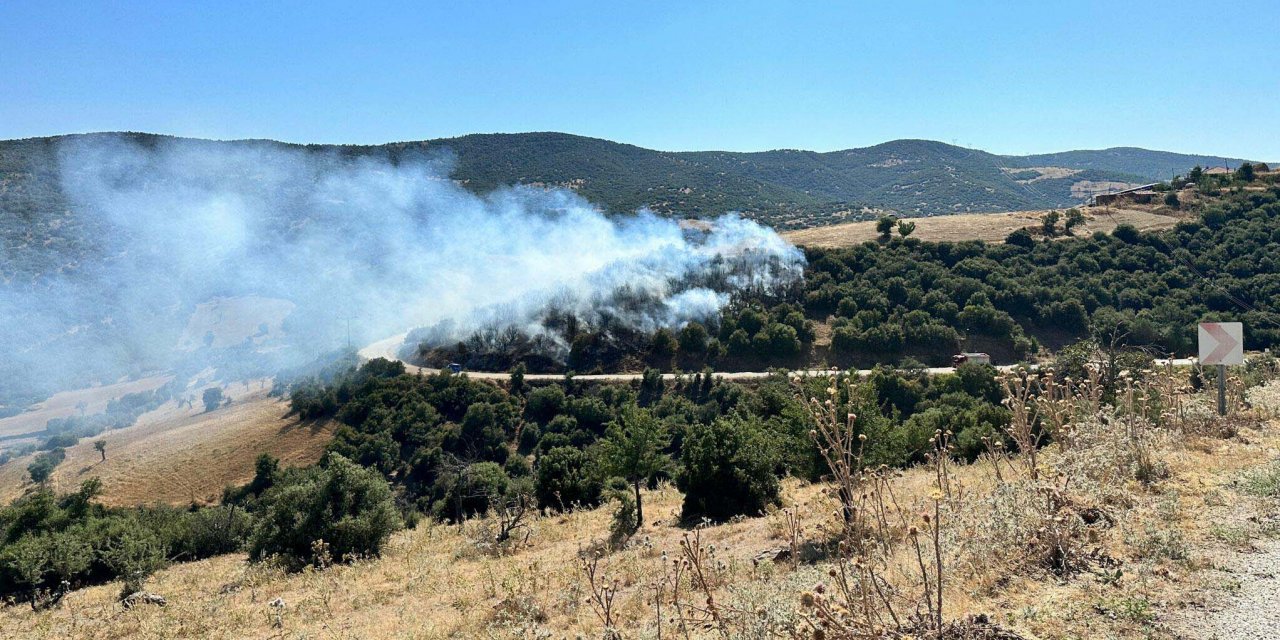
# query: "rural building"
1141 195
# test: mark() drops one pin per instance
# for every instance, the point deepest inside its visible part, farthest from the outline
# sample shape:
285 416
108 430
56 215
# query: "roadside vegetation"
1075 511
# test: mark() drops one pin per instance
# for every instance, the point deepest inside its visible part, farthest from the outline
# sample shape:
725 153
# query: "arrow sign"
1221 343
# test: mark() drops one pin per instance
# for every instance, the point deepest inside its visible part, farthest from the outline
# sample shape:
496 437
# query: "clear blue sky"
1011 77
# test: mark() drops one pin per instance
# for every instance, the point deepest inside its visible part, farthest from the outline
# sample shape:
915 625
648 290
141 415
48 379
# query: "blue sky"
1013 77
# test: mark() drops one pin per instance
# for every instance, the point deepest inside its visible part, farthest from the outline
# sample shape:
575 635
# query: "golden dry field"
60 405
179 455
988 227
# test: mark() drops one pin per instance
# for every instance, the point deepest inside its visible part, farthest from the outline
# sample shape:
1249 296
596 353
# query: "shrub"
1020 238
469 491
1263 482
565 479
728 470
625 520
212 398
1126 233
42 466
347 506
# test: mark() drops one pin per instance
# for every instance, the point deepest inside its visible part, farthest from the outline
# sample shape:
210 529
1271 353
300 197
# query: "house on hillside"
1141 195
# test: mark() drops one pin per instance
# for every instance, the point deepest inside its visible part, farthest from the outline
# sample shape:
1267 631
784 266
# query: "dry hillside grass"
1140 561
67 403
988 227
181 455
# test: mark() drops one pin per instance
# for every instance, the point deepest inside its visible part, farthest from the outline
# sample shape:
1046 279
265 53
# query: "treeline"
454 446
754 332
901 298
1145 289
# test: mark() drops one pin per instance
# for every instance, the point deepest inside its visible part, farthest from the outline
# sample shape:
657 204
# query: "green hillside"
786 188
1152 165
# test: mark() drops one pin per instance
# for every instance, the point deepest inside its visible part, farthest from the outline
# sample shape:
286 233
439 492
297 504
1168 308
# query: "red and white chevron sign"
1221 343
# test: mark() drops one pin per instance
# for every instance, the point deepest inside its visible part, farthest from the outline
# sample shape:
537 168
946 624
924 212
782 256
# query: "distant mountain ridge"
785 188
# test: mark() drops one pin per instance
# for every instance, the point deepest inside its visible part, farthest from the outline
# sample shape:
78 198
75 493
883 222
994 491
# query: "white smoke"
382 246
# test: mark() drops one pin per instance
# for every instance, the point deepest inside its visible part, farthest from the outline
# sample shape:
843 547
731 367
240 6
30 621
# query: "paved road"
387 349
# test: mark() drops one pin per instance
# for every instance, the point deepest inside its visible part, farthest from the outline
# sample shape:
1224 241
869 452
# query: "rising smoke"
328 240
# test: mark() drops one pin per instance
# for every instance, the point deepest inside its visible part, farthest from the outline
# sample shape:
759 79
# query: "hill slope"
787 188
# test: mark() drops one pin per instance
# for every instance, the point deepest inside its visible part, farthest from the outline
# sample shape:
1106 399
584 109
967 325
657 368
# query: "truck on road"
970 358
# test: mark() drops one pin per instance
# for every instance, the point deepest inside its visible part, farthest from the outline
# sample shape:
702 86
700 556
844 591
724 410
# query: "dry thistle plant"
1020 401
864 602
841 447
602 594
1056 404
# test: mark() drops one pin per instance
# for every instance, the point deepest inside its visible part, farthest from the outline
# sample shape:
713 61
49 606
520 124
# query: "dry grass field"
179 455
988 227
68 403
1145 559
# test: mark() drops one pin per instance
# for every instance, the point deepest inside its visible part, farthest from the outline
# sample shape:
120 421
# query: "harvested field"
988 227
181 455
68 403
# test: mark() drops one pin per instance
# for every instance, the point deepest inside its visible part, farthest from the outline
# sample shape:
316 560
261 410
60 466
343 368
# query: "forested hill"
785 188
1152 165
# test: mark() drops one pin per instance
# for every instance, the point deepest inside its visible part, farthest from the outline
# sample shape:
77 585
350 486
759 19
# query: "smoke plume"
281 251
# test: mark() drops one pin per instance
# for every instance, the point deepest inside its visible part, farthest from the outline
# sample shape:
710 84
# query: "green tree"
728 470
906 228
517 379
347 506
885 225
633 450
566 478
1020 238
1245 172
101 447
1171 199
212 398
663 348
41 468
1126 233
1049 224
693 339
266 470
1074 219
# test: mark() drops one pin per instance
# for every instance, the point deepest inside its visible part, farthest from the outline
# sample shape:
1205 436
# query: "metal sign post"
1222 389
1221 344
